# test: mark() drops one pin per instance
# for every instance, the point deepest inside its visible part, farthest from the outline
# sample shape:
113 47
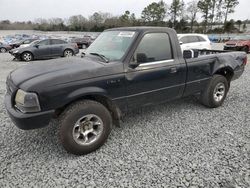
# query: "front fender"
86 91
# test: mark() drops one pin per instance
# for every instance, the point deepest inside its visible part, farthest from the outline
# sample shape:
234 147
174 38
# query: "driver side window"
44 42
153 47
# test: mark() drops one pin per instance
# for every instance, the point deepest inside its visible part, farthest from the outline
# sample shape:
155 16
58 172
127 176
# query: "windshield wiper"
101 56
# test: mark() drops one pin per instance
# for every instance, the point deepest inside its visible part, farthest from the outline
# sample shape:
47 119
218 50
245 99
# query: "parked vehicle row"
44 49
124 69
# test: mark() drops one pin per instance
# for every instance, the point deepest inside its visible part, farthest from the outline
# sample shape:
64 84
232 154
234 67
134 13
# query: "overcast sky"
24 10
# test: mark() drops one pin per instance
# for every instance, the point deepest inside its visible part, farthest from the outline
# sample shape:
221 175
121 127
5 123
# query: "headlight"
27 102
239 44
16 51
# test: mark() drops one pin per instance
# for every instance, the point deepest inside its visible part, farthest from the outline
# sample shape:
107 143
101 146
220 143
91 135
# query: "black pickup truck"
125 68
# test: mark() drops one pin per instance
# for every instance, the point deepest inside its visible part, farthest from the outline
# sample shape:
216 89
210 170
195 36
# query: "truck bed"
202 64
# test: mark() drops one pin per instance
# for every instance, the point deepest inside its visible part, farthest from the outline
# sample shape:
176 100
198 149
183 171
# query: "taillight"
245 60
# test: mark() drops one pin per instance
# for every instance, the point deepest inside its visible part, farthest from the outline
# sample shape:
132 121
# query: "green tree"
219 11
229 26
96 18
239 23
212 14
244 27
229 7
205 6
154 12
77 23
192 12
175 11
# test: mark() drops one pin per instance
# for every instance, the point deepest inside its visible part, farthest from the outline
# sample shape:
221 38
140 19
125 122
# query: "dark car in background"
83 42
4 47
17 44
238 43
44 49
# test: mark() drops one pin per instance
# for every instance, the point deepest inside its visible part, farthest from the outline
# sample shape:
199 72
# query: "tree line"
178 15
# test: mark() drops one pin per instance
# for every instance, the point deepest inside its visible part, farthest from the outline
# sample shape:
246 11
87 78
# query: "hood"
61 71
235 42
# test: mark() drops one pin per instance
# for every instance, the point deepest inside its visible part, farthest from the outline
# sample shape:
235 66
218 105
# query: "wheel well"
113 109
68 49
27 52
226 72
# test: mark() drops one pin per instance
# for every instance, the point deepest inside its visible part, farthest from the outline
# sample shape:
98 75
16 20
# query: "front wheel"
84 127
27 56
68 53
215 93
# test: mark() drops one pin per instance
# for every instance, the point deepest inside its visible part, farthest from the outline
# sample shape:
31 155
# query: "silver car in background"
44 49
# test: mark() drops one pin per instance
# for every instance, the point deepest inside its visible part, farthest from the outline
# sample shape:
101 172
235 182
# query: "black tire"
27 56
70 118
213 99
245 49
68 53
3 50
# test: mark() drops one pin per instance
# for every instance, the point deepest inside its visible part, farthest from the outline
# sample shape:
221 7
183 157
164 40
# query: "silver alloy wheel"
3 50
87 129
27 57
68 53
219 91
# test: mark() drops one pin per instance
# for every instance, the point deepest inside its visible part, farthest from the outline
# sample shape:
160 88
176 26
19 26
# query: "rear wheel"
68 53
84 127
215 93
27 56
3 50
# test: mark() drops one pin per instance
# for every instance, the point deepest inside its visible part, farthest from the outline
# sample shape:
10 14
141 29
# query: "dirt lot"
180 143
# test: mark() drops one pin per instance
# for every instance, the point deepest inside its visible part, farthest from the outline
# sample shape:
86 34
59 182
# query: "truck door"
159 76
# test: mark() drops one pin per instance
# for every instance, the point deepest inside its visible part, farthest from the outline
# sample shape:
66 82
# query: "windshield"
244 37
112 44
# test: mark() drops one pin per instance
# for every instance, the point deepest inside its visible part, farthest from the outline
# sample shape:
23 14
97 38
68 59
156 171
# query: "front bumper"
16 55
27 121
233 48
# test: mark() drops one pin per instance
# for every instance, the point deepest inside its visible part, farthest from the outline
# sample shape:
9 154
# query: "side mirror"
180 42
141 58
138 59
36 45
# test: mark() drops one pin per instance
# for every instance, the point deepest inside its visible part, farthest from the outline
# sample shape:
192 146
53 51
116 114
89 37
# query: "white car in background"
194 41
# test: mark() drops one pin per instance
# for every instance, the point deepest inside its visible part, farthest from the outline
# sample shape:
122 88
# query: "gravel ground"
177 144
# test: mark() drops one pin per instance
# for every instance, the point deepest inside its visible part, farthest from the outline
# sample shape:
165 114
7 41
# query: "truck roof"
142 28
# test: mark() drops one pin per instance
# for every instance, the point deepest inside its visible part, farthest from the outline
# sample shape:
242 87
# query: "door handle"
173 70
